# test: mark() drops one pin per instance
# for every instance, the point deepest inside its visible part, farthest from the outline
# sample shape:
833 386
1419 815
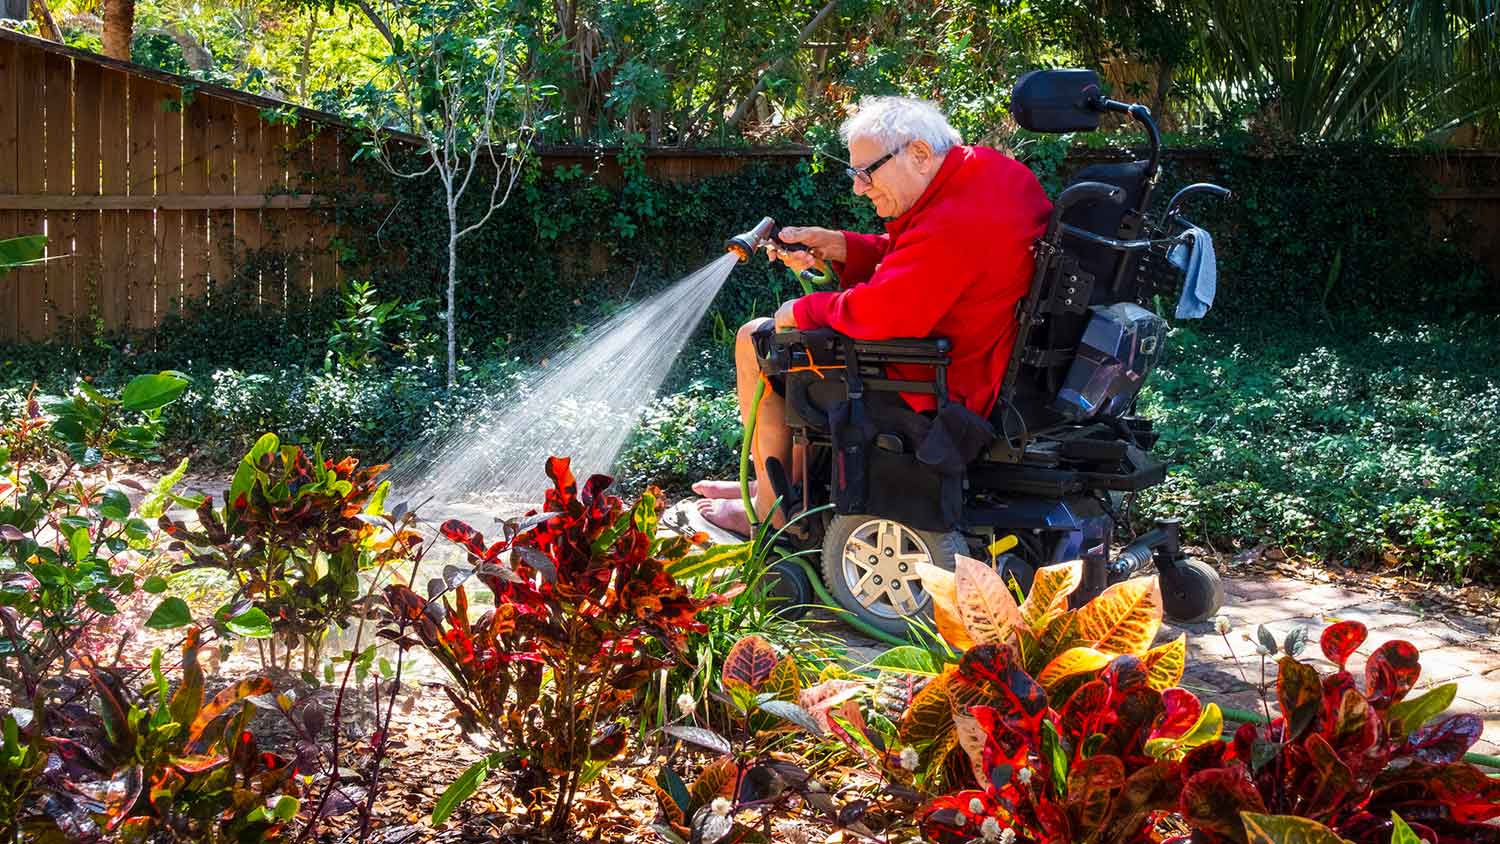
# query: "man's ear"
922 157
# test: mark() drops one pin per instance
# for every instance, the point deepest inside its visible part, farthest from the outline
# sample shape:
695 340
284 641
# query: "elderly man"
955 258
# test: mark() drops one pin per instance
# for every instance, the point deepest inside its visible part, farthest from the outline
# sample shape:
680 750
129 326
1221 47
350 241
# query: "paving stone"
1455 662
1382 615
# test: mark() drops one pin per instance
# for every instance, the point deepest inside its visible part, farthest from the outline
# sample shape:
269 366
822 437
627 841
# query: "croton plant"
583 598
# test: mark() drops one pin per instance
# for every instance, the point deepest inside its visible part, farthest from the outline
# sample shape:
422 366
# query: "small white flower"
1261 650
909 759
1008 836
1023 776
721 806
686 704
1221 625
975 807
990 829
816 787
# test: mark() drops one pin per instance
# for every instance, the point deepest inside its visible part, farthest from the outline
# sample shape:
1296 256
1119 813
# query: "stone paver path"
1453 648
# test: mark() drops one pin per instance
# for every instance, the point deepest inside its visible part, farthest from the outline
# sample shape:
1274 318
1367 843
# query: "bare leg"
772 436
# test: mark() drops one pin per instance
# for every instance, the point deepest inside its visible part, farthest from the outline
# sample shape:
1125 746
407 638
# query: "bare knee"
742 338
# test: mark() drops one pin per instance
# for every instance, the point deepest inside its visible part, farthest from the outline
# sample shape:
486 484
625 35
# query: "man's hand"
822 245
785 319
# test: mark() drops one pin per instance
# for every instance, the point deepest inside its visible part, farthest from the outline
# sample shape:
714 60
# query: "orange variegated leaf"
715 780
1050 589
940 584
988 610
972 738
930 712
1073 661
1164 664
750 661
785 681
1124 619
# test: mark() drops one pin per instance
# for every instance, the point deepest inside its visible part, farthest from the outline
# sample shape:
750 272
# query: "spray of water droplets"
582 404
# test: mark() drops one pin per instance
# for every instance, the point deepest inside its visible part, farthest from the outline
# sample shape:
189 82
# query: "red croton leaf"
460 533
1212 801
1182 710
1341 640
750 661
952 819
1020 700
1391 672
1092 786
1447 740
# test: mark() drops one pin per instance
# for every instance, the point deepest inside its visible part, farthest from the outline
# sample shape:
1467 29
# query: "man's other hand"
822 245
785 319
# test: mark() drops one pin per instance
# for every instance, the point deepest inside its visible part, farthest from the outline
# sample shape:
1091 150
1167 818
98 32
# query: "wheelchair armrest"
826 345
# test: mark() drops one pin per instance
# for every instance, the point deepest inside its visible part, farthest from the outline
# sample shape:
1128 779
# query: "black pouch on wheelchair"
877 469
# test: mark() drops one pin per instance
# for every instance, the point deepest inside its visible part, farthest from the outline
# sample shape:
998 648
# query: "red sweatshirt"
954 265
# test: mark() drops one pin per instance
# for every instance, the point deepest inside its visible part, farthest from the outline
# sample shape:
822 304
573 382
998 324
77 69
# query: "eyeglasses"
865 175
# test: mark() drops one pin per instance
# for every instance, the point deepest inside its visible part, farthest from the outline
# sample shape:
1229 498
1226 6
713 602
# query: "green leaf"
1057 757
100 603
285 808
169 614
1286 829
114 505
155 584
909 659
710 560
252 624
153 392
1401 832
20 251
1410 714
155 504
462 788
80 544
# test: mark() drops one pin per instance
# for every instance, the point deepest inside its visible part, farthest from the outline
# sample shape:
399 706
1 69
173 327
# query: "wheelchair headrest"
1056 101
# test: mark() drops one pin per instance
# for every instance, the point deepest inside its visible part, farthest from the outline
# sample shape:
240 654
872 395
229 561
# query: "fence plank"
273 181
114 279
59 273
247 224
87 82
145 101
31 155
194 181
329 163
9 289
169 155
220 142
300 225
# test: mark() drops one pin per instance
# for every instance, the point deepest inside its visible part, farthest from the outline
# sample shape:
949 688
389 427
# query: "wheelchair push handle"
1084 192
1187 192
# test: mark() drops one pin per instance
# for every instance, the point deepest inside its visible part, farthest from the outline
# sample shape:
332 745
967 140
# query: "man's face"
899 182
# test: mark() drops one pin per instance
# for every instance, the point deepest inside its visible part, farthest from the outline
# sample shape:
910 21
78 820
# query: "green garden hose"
812 576
1246 717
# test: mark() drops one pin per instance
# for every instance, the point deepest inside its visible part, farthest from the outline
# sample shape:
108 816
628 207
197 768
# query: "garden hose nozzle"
745 243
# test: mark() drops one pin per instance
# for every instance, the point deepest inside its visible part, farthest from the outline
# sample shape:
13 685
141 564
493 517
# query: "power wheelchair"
1063 449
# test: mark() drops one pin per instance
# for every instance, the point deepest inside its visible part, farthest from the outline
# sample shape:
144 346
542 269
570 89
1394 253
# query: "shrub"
682 438
1368 446
1347 761
581 594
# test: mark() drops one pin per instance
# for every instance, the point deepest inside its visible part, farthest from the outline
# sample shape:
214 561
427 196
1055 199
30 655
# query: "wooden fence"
152 190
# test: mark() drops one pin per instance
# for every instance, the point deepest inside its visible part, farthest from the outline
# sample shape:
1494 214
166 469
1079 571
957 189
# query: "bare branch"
765 77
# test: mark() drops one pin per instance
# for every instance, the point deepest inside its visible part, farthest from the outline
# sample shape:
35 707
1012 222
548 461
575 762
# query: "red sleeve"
915 286
862 253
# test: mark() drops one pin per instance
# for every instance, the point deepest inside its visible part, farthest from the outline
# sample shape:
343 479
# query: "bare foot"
727 513
721 489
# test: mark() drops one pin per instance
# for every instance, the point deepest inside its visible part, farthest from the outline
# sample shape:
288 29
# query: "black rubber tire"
1191 592
789 586
940 549
1012 565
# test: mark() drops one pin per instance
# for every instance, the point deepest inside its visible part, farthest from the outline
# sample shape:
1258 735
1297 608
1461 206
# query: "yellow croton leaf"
1286 829
1050 589
985 605
1164 664
941 586
1124 619
1072 661
1209 727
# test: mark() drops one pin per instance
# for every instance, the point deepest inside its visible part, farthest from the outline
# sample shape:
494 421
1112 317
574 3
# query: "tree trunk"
452 287
49 24
119 26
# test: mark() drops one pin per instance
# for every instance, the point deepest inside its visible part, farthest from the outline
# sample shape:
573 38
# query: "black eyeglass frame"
865 175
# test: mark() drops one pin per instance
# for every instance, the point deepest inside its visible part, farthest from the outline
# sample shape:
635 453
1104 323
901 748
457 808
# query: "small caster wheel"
1191 591
790 590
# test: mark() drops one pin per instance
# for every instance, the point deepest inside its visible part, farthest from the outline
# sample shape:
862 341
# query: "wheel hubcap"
880 564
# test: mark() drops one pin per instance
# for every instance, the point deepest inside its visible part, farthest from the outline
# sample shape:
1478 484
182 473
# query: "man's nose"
859 187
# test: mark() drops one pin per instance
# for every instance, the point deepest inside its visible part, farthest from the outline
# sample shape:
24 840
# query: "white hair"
897 121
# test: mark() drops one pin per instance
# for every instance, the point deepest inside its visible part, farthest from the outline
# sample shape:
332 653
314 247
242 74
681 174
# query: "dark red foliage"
1075 775
1336 756
1341 640
581 589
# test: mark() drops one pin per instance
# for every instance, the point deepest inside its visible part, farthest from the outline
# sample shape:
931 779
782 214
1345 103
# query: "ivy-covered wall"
1328 229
